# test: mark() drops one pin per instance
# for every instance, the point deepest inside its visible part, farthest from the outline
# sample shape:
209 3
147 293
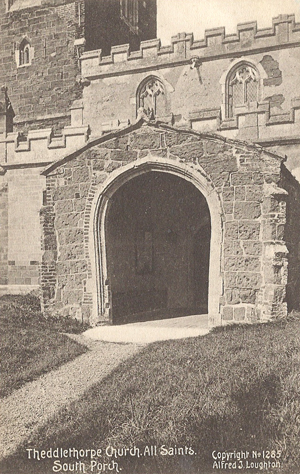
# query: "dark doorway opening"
158 245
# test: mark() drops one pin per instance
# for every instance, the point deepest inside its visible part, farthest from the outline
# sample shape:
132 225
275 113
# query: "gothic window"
24 53
151 97
242 87
129 12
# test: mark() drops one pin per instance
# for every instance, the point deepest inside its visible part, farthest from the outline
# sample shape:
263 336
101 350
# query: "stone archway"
157 249
99 284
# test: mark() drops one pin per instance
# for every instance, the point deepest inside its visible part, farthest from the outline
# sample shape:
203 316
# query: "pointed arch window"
151 97
24 53
242 87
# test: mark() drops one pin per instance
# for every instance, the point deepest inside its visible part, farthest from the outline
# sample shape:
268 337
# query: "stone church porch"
166 222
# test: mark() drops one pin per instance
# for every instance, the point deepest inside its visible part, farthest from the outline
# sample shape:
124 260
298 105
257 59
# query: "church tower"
41 42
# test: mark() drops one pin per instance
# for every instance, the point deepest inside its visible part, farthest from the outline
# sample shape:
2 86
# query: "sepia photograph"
150 236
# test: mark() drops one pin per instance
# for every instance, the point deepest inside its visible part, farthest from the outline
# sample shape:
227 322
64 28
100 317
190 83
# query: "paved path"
30 407
151 331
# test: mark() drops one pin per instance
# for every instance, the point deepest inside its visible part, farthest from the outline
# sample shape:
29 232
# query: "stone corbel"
273 251
195 62
82 81
271 189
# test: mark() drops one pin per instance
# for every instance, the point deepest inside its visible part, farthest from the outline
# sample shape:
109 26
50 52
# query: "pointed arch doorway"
157 234
109 202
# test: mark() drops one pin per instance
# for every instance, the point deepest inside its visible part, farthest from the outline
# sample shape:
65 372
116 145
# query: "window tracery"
242 87
151 97
24 53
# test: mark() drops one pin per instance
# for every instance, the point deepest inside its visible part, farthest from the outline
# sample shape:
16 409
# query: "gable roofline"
163 127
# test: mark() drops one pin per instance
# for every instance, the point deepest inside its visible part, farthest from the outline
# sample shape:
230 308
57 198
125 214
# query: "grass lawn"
30 344
238 388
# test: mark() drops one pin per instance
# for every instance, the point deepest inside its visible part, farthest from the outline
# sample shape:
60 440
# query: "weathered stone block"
216 147
144 141
249 230
247 296
71 252
254 192
252 314
78 266
230 279
241 179
112 165
49 256
239 313
242 264
99 178
252 247
84 189
123 155
64 206
258 177
119 142
86 313
65 192
68 220
190 152
228 207
228 193
70 235
232 296
248 280
72 296
270 205
80 174
274 274
269 230
79 204
232 247
172 139
232 230
247 210
240 193
219 178
99 154
280 231
98 165
63 268
228 313
62 280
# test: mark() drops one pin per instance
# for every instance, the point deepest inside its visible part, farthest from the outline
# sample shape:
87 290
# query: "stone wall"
194 74
195 96
24 197
253 264
47 86
42 91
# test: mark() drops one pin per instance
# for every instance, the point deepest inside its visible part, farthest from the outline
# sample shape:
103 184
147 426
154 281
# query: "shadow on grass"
32 345
230 390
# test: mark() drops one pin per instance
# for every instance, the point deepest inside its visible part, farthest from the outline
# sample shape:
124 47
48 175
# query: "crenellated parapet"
285 32
40 147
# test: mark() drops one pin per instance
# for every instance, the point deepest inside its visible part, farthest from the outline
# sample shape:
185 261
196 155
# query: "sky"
194 16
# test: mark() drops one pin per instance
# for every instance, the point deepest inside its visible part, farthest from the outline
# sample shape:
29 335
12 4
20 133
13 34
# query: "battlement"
40 147
285 32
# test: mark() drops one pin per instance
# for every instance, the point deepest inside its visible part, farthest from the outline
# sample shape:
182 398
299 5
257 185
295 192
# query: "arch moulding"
97 284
